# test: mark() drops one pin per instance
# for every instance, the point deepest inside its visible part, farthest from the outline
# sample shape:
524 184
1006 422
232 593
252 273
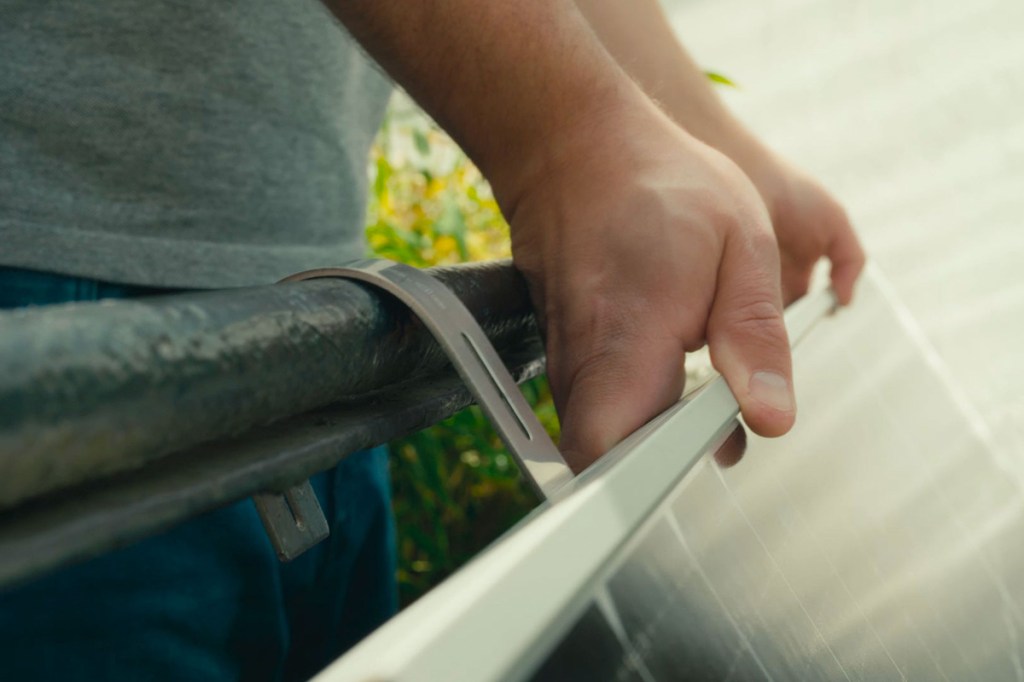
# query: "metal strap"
474 358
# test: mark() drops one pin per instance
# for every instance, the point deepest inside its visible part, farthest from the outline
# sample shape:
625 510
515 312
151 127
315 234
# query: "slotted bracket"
293 519
475 359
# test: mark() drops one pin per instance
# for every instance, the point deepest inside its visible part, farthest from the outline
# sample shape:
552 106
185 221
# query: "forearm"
505 78
638 35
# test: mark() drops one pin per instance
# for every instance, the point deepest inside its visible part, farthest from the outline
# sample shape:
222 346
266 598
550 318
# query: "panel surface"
880 540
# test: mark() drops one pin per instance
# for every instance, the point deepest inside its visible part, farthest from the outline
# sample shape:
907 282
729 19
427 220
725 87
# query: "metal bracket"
475 359
293 519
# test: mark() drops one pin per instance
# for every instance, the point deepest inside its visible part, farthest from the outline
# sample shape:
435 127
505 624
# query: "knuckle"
595 369
763 242
759 310
758 318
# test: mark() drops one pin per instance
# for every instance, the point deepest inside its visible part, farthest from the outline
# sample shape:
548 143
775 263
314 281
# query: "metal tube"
88 390
85 521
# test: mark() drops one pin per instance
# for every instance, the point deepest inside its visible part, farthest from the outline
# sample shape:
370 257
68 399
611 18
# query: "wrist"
702 114
571 144
766 171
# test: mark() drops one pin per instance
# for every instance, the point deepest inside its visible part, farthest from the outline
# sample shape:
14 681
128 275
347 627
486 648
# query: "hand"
639 243
808 222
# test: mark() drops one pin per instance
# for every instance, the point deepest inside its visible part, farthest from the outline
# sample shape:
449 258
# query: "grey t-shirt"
182 143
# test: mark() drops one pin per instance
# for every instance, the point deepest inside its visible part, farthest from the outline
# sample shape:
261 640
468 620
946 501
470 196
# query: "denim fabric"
207 600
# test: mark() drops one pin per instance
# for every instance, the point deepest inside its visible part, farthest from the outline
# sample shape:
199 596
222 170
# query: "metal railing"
119 419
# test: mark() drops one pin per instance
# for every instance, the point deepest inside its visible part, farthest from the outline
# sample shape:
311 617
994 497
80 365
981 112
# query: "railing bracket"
293 519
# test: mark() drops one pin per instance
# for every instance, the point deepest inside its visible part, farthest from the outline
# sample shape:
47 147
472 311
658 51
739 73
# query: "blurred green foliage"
720 79
456 488
428 204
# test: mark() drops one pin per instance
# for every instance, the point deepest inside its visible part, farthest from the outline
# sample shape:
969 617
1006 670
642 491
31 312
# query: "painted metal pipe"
82 522
89 390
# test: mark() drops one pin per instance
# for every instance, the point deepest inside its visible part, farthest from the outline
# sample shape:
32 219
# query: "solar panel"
879 540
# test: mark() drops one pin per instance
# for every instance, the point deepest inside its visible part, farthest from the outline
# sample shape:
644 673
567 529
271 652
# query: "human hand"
809 224
639 243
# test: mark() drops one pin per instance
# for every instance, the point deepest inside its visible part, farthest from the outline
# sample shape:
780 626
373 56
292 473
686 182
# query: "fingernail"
772 389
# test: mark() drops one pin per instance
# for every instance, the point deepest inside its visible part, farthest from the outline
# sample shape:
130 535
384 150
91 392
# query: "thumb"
747 335
614 393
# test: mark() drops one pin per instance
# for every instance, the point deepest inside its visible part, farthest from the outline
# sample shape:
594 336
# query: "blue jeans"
207 600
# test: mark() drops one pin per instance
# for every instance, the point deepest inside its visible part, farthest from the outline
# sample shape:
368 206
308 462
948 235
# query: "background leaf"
715 77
